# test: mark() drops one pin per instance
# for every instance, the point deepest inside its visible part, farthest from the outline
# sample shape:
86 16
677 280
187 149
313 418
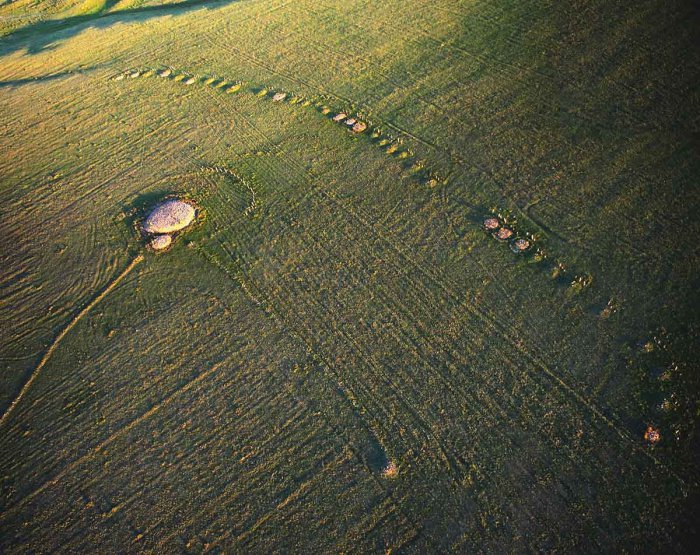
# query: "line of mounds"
497 225
354 123
503 232
172 215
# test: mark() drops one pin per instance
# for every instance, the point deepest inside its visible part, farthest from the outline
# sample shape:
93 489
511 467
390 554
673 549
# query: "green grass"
338 306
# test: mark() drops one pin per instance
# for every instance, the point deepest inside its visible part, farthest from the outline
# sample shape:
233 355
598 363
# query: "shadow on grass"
40 36
44 78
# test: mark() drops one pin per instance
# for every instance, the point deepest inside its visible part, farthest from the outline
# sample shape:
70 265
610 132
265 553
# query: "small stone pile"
652 435
165 219
354 124
501 232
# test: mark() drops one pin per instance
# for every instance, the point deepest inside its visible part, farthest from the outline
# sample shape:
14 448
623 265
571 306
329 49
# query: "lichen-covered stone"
491 223
504 234
160 242
520 245
359 127
170 216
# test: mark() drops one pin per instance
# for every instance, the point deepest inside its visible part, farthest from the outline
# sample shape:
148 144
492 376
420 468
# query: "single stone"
491 223
350 122
165 73
160 242
172 215
279 97
390 470
520 245
504 234
189 81
359 127
135 74
652 435
339 117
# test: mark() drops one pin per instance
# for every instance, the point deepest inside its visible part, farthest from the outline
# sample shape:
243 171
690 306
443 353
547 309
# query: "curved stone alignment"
502 228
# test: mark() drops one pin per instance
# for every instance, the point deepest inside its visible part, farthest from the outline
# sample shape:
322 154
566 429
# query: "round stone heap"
170 216
160 242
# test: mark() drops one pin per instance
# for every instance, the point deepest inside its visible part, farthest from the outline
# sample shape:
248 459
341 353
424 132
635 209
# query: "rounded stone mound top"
170 216
161 242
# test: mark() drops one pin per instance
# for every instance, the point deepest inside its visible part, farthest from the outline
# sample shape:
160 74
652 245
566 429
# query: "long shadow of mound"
45 78
40 36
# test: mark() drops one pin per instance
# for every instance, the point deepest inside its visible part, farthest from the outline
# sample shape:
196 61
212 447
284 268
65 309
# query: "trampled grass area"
337 356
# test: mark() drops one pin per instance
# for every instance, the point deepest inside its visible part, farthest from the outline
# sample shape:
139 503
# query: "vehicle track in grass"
289 310
69 326
285 322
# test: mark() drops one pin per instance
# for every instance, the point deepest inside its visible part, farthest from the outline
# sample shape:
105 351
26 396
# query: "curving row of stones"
497 226
502 232
353 122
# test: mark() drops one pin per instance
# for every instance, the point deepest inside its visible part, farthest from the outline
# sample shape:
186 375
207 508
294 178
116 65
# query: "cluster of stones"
354 124
505 233
165 220
131 74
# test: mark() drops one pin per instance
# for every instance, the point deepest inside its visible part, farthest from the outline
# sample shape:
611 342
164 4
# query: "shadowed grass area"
37 36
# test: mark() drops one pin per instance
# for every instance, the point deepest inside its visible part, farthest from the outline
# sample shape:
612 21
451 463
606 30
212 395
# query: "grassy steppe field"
338 357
